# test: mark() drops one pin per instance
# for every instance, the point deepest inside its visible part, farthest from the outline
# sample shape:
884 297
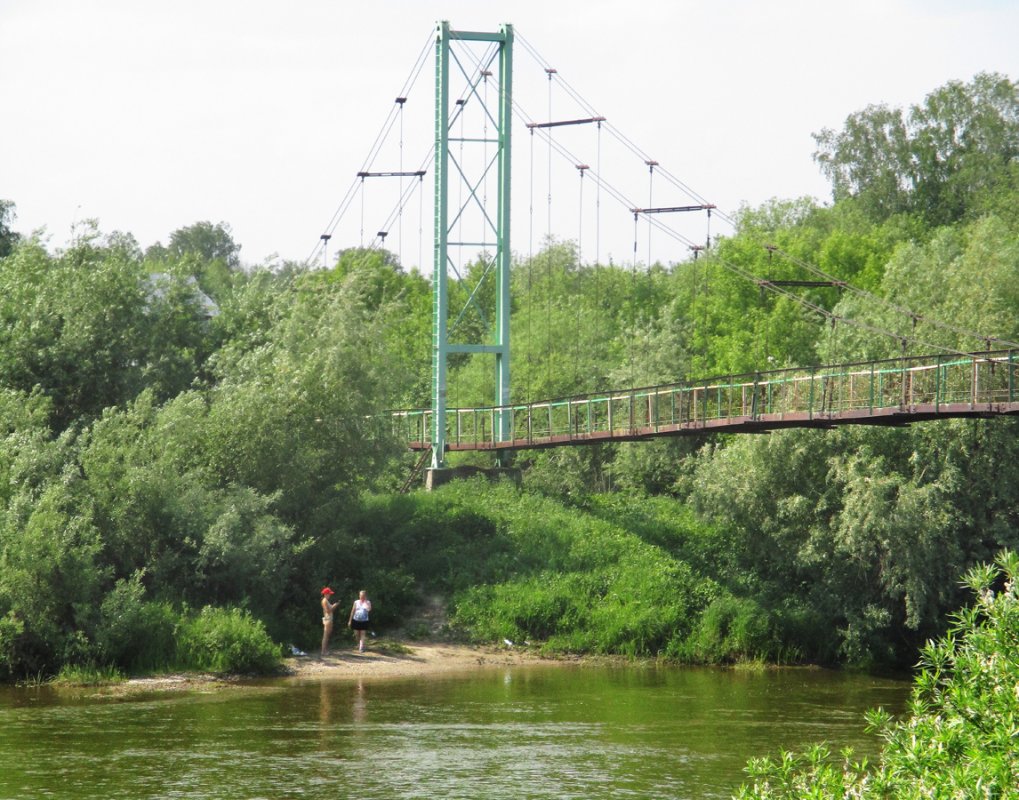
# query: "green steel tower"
452 50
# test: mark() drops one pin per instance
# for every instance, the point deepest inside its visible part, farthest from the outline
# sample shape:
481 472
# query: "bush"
133 634
395 590
959 737
226 640
732 629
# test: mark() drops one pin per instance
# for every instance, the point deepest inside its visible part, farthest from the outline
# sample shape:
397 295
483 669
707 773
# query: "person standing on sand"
327 618
358 619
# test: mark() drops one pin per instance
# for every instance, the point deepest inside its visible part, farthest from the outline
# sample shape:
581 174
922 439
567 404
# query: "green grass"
88 675
390 648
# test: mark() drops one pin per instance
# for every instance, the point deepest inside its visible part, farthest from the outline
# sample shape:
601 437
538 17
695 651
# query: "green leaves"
959 738
222 640
8 238
92 328
942 161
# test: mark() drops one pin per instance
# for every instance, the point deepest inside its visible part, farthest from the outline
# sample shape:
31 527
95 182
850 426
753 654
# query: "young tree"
958 739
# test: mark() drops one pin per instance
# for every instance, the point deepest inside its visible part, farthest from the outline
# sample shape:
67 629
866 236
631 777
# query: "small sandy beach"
408 660
385 660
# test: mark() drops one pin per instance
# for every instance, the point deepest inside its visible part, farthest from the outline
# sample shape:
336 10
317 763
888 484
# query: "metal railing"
892 391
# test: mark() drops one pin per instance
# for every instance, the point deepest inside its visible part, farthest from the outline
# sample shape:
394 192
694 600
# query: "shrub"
132 633
732 629
959 737
226 640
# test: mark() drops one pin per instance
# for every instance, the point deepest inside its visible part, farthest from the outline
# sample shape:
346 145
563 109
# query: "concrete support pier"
437 477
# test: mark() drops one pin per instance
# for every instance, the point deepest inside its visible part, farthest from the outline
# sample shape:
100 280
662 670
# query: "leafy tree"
869 160
941 160
72 323
402 302
377 274
965 143
204 250
92 328
179 334
207 241
51 578
291 415
8 238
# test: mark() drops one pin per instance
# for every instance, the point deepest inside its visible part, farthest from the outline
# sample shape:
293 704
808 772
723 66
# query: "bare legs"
327 629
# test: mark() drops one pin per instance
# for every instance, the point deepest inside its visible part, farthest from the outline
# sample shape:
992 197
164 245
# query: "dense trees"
91 326
955 154
165 458
178 432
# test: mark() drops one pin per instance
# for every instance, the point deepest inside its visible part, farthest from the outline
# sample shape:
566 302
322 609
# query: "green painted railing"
894 391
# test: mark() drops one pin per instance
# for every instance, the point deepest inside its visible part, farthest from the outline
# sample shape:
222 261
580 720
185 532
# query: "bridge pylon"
472 157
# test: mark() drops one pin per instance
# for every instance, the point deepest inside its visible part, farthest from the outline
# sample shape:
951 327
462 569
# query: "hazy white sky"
153 115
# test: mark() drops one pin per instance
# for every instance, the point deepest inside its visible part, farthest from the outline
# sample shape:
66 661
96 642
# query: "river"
514 732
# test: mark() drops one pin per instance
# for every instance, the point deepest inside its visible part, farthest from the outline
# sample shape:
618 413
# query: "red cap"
327 590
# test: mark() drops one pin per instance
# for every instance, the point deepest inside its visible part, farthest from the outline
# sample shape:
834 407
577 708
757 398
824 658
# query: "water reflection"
360 705
325 713
507 733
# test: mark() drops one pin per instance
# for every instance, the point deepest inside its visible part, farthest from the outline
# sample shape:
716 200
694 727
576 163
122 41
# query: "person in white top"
358 619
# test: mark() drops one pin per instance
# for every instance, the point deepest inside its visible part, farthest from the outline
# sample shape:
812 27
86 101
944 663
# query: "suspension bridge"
891 392
474 115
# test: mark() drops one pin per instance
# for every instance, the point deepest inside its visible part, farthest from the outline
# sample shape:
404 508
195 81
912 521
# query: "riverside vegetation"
190 448
958 739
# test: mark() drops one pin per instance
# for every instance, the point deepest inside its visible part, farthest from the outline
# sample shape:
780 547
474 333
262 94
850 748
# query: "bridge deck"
894 392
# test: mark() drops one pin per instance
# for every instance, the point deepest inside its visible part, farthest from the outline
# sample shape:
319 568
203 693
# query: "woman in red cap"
327 618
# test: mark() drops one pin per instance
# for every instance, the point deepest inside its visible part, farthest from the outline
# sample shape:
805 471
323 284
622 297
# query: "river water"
517 732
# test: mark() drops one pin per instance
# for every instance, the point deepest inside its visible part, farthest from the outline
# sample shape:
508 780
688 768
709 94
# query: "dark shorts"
358 625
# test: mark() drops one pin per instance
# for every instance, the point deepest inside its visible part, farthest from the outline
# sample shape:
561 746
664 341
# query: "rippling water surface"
522 732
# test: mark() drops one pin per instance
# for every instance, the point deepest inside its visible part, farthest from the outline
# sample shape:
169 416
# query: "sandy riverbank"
379 662
409 660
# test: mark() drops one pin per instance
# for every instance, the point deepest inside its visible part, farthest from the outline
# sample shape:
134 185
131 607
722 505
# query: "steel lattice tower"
495 220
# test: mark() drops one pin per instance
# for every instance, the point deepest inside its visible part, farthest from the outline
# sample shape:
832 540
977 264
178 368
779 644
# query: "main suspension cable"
380 139
674 180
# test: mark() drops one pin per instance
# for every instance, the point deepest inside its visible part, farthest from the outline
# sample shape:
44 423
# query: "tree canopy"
8 238
955 154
